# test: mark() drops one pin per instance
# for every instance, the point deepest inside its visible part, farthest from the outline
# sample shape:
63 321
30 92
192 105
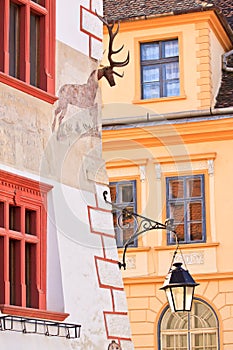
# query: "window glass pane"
14 272
34 50
2 265
172 88
30 276
128 224
203 313
150 74
194 187
2 211
195 211
170 48
195 231
30 222
171 79
40 2
14 218
126 193
177 212
113 193
176 189
151 90
198 341
149 51
171 71
14 38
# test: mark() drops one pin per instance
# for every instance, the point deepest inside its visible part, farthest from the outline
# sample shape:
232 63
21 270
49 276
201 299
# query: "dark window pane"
113 193
14 218
30 222
194 187
30 276
40 2
14 272
2 277
127 193
176 189
2 211
195 211
14 40
196 231
180 232
34 50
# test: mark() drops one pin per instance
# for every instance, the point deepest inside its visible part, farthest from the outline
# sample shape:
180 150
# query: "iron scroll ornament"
142 225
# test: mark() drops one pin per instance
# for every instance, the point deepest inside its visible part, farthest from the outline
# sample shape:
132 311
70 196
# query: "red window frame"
45 11
23 247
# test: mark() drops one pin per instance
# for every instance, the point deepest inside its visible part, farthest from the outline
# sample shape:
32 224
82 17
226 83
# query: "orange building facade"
167 141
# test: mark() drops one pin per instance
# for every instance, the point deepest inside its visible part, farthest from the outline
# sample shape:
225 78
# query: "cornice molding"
121 163
185 158
168 134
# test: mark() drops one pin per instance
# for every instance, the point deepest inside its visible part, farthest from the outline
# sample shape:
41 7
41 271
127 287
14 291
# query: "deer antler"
111 52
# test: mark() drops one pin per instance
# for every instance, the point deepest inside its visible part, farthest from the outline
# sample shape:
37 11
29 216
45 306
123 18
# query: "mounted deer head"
108 71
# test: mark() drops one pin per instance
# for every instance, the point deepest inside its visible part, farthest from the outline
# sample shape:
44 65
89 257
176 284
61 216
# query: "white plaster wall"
72 280
216 63
73 283
76 17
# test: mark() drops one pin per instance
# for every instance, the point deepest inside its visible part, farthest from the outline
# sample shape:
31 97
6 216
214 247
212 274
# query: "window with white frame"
159 69
195 330
123 194
186 205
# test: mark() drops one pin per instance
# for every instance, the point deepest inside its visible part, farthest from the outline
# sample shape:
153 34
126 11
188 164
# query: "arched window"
195 330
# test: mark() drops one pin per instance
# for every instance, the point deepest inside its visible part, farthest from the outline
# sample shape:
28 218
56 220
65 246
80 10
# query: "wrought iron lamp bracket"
142 225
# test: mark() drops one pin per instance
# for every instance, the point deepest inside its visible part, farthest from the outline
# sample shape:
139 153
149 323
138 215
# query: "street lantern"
179 284
179 287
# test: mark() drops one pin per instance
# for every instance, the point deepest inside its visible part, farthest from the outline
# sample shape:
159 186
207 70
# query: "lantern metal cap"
178 277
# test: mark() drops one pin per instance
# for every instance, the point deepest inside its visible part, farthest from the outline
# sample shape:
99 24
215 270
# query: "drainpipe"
224 61
168 116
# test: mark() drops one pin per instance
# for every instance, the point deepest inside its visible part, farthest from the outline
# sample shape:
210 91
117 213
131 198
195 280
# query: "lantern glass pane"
178 297
169 299
189 297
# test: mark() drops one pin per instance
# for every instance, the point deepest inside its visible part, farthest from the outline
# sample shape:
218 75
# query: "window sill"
188 246
32 313
134 249
161 99
28 89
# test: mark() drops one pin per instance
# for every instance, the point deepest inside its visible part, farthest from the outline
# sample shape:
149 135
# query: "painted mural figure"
83 95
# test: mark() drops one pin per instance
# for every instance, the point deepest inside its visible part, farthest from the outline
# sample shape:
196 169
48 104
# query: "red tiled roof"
129 9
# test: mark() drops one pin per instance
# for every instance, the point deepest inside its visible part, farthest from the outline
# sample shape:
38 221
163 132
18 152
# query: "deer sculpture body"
83 96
